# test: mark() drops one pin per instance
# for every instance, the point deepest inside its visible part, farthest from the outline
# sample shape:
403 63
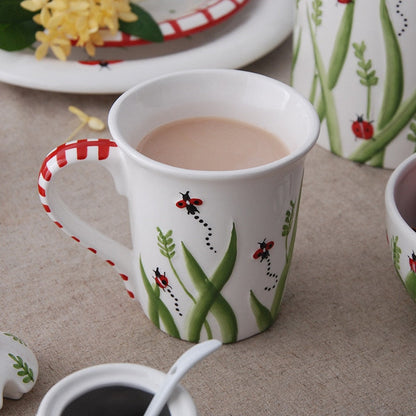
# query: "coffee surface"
211 143
116 400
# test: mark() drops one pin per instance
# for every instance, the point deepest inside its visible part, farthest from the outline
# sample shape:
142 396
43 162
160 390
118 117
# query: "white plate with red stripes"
235 41
180 18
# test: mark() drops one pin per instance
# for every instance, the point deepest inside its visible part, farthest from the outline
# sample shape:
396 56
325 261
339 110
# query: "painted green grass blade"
402 117
157 309
208 293
224 270
168 321
295 55
341 45
153 297
263 316
226 318
167 249
339 54
377 161
210 298
394 82
329 102
274 310
410 283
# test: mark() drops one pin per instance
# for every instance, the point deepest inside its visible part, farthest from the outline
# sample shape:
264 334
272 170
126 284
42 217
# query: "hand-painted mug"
211 253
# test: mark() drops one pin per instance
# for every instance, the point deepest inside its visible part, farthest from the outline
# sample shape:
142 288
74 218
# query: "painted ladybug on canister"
189 203
412 262
161 279
263 252
362 129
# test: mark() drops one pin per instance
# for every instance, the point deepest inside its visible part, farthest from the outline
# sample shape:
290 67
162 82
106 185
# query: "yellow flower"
93 123
79 21
59 44
33 5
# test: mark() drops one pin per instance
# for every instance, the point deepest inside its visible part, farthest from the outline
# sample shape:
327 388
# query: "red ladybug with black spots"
412 262
362 129
263 252
161 279
189 203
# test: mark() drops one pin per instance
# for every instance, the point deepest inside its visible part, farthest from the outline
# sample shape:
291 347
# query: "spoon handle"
182 365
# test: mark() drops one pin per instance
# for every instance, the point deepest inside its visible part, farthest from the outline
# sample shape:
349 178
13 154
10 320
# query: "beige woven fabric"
345 340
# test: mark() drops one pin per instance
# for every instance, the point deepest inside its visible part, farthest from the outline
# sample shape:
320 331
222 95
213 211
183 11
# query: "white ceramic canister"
355 61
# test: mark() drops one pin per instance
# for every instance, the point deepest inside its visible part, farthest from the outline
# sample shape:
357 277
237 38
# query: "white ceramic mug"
218 271
400 201
355 61
119 388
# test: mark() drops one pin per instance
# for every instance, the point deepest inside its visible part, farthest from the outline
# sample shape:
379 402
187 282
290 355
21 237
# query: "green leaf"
12 12
145 27
168 320
394 79
17 36
362 74
263 316
327 97
274 310
341 45
295 55
26 372
157 309
410 283
210 299
166 244
153 297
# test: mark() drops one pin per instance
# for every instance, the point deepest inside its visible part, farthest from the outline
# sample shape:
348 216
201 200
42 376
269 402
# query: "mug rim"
390 201
293 156
87 379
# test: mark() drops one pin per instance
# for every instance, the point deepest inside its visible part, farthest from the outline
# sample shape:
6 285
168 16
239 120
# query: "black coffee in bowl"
117 400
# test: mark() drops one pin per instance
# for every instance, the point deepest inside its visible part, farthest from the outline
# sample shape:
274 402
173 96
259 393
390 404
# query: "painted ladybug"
161 279
263 252
412 262
344 1
362 129
102 64
189 203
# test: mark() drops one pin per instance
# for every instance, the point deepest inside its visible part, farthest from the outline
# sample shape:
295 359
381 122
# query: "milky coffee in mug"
212 143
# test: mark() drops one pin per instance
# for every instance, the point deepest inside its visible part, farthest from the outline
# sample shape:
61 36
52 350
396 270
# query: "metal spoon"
182 365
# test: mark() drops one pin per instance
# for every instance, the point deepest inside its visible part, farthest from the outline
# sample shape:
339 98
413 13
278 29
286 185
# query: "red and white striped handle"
107 153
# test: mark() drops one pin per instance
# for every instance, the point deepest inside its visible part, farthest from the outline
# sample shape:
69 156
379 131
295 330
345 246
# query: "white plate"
251 33
179 18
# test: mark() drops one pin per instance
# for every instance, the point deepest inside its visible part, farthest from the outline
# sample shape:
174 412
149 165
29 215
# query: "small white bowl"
91 388
400 201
